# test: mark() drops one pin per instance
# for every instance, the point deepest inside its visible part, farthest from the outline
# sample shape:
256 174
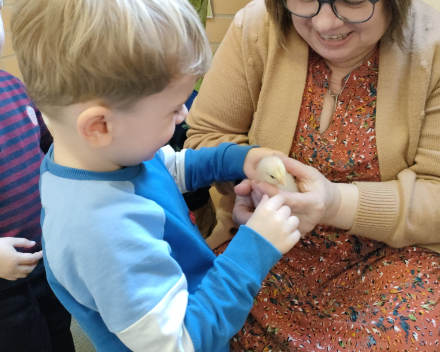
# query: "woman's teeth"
334 37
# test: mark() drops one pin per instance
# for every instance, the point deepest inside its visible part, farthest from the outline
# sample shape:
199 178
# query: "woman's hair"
398 11
117 51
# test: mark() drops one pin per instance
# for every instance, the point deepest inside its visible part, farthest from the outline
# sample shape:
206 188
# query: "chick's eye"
272 176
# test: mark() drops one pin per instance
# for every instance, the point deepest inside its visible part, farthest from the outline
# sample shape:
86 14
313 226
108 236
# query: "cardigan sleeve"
406 211
224 108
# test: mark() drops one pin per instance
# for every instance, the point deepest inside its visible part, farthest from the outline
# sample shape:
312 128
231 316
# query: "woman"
351 90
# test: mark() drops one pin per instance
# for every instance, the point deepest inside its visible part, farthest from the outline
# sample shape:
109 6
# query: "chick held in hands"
271 170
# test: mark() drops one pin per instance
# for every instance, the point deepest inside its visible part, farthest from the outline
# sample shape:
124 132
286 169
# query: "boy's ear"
94 126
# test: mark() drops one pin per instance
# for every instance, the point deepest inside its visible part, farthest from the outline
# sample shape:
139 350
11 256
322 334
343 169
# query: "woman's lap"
337 292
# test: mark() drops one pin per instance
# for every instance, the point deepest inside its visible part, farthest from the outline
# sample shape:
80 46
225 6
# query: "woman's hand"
318 202
244 205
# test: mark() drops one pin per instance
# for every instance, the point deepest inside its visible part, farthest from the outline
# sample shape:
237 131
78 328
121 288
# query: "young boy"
121 250
31 317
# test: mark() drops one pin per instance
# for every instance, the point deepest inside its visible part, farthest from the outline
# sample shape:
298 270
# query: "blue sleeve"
222 163
217 311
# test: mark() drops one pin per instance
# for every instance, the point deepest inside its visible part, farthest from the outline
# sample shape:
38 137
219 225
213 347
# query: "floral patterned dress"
332 291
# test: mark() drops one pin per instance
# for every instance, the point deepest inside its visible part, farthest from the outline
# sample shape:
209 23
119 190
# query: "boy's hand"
272 220
15 265
254 157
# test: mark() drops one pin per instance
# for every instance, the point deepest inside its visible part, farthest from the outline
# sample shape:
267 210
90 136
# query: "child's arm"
193 169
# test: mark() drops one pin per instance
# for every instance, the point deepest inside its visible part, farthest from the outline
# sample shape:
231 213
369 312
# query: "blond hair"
72 51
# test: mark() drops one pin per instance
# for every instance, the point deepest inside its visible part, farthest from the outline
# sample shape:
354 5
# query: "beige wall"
8 61
434 3
224 11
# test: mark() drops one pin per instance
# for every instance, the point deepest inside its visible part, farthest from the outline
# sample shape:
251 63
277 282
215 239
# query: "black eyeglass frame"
332 4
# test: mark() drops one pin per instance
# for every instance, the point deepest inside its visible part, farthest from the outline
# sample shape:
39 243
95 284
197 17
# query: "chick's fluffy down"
271 170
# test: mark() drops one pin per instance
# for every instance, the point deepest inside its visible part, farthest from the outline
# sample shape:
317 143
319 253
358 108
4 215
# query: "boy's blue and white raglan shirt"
124 257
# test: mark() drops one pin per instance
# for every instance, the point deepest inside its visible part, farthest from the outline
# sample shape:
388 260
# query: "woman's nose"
326 20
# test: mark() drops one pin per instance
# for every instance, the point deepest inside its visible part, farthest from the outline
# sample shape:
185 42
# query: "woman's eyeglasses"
353 11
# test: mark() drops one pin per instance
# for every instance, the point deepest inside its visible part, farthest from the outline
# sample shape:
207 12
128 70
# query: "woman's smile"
334 41
334 38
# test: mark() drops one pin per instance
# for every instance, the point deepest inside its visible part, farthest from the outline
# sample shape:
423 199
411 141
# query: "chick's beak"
282 181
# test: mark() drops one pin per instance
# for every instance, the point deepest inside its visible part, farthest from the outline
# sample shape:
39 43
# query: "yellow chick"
271 170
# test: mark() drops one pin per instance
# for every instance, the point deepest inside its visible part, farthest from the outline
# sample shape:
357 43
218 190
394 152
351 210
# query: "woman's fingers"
241 215
298 202
256 199
257 195
298 169
280 154
243 209
265 188
301 202
244 188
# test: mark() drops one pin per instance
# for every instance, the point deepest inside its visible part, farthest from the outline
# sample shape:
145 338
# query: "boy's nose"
181 115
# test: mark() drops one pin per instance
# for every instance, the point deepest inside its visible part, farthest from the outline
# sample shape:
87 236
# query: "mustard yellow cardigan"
253 93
